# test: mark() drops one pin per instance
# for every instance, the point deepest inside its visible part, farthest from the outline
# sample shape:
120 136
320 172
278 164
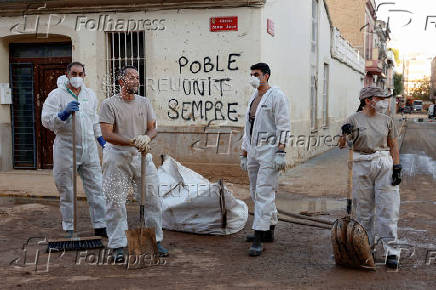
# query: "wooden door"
46 76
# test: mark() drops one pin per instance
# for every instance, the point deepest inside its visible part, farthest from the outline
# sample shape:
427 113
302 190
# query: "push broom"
74 243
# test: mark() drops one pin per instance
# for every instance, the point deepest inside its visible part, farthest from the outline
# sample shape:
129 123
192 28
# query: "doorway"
34 69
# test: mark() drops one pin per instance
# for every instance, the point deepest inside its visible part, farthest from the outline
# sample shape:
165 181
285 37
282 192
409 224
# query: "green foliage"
421 90
398 84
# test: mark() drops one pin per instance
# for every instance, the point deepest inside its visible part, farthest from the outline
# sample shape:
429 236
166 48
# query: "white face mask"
76 82
254 82
382 106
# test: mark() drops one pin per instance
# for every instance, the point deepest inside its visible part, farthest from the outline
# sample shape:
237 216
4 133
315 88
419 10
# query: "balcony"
342 50
374 67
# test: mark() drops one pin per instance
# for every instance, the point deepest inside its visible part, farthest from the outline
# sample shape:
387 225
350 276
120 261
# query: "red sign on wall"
228 23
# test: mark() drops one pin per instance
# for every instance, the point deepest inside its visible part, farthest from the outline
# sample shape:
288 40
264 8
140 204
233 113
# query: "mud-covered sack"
190 203
350 244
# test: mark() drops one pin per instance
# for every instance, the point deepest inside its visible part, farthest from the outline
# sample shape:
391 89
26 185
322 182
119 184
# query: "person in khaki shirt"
376 169
128 124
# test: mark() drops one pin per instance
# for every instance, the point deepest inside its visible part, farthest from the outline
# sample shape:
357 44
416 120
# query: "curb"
33 196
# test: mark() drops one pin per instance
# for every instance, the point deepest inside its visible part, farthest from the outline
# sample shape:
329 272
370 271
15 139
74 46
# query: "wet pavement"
300 258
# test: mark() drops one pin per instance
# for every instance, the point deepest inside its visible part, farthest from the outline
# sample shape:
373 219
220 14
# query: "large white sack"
190 203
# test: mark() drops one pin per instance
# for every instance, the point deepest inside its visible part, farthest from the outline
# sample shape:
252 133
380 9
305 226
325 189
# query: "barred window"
124 48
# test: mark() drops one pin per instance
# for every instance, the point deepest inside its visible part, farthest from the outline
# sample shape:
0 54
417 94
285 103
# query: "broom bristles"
76 244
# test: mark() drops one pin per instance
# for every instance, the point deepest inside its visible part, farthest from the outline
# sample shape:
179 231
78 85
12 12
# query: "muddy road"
301 258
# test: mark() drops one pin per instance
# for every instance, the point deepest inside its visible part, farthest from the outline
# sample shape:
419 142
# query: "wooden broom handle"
143 187
350 179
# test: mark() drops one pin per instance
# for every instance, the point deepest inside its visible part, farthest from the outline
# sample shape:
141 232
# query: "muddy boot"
268 236
100 232
256 248
161 250
118 255
392 262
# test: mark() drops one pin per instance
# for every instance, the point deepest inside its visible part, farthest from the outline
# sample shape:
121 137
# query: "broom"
74 243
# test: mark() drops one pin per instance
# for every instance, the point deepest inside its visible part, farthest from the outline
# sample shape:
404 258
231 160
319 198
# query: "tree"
398 84
421 90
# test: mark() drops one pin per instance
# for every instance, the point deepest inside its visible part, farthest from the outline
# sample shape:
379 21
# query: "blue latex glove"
72 106
101 141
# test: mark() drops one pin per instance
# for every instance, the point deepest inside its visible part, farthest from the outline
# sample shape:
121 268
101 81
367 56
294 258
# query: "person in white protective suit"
72 95
128 124
376 169
266 132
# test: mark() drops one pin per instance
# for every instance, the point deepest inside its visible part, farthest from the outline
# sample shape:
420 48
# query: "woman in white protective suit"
376 169
56 116
267 127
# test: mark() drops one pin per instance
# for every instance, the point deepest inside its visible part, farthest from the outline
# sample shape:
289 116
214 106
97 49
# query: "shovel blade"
142 243
350 244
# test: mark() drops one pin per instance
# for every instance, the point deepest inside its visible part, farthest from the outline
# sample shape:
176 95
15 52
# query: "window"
325 96
314 25
314 66
369 39
124 48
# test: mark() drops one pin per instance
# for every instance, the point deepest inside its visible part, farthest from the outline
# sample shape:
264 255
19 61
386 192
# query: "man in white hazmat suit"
376 169
128 123
266 132
72 95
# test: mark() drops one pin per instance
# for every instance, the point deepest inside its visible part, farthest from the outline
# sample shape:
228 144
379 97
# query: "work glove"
243 162
142 143
396 174
347 129
72 106
280 161
101 141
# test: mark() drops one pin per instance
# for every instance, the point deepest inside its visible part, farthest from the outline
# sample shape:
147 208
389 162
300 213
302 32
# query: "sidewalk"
32 183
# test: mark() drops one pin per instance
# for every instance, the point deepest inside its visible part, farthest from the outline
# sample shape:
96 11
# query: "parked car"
417 105
407 110
431 112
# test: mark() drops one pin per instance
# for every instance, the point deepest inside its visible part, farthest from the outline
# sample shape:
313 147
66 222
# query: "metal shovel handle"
143 188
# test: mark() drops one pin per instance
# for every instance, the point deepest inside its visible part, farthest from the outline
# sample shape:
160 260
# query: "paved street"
300 258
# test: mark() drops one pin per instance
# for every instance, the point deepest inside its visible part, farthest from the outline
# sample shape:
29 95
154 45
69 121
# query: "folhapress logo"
108 23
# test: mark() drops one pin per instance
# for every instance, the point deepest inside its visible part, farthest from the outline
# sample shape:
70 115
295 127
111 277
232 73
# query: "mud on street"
300 258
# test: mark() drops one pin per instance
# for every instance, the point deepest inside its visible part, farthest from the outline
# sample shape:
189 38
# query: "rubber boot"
256 248
392 262
161 250
267 238
118 255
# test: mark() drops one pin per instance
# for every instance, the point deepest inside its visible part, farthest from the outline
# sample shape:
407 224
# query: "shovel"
142 241
349 239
